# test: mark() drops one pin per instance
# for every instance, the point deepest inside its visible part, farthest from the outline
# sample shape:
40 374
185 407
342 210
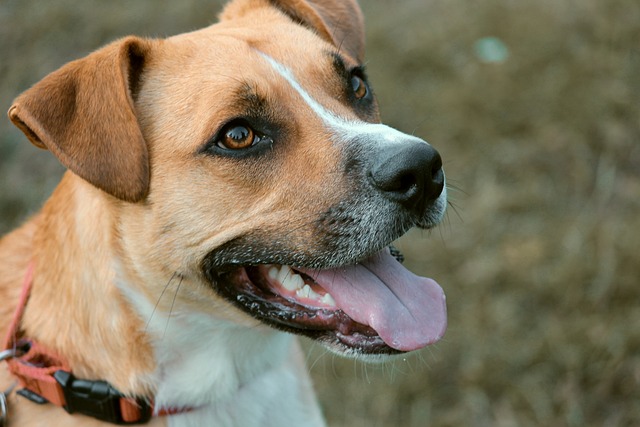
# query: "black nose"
409 173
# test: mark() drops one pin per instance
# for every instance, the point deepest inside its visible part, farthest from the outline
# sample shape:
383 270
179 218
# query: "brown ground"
540 258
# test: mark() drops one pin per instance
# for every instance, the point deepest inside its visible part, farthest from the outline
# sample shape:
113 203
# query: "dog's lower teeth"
328 300
273 273
292 282
284 273
306 292
286 278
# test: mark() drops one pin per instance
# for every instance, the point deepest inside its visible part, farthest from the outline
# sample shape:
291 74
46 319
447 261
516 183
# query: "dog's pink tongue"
407 311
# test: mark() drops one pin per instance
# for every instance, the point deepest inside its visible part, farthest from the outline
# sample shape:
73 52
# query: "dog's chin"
292 301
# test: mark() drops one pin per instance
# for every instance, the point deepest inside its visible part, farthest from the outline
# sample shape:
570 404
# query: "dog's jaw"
303 308
373 307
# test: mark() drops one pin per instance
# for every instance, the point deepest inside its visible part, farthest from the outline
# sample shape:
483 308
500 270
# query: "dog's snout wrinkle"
410 174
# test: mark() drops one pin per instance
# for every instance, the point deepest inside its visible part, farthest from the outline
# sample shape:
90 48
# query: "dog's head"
248 159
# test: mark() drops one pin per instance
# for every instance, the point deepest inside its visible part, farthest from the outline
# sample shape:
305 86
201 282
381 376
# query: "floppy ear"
84 114
340 22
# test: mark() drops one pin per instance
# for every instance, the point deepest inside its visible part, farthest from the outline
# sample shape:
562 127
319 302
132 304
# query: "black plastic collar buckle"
97 399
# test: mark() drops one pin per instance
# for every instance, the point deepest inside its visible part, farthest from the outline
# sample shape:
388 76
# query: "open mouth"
374 307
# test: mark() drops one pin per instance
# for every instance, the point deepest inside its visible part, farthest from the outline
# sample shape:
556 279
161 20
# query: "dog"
227 190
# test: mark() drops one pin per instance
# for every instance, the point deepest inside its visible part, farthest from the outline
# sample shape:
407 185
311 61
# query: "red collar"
46 377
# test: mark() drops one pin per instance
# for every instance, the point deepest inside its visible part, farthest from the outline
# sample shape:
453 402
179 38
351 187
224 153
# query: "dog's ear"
84 114
340 22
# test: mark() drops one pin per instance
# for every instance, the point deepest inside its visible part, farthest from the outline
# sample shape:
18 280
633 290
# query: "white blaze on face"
345 129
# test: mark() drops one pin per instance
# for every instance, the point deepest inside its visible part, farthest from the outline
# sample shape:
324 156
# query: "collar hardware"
98 399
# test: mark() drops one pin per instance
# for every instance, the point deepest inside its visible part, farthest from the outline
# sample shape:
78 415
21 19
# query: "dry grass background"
540 260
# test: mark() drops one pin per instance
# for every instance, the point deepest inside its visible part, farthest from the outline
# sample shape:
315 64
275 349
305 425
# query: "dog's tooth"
292 282
328 300
299 281
304 291
273 273
313 294
284 273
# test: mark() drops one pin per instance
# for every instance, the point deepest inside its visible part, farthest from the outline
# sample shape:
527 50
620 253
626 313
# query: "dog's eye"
237 137
359 87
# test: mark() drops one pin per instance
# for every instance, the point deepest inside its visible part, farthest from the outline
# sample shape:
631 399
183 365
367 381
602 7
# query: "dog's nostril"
437 177
436 169
407 182
401 183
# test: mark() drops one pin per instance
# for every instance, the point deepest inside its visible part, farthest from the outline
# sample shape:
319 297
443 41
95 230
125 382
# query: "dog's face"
273 190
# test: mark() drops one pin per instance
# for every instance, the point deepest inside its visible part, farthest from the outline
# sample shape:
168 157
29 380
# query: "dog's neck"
74 309
200 359
97 313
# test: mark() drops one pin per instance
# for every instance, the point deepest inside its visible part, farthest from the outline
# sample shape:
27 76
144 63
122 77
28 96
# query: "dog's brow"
252 103
343 67
330 119
338 63
344 129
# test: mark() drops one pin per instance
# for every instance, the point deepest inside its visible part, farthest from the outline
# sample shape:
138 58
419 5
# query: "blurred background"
535 108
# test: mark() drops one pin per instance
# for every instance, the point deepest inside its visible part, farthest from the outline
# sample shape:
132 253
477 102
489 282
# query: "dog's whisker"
452 185
318 349
166 326
366 372
417 126
455 210
155 307
441 232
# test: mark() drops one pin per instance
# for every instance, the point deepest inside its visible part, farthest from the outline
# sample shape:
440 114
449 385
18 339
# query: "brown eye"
359 87
237 137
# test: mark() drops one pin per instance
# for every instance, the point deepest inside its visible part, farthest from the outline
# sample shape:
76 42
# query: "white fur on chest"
232 375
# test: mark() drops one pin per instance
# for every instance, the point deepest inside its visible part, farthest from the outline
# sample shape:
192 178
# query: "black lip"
241 286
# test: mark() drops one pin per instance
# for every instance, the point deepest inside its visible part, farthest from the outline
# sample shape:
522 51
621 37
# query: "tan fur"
151 208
